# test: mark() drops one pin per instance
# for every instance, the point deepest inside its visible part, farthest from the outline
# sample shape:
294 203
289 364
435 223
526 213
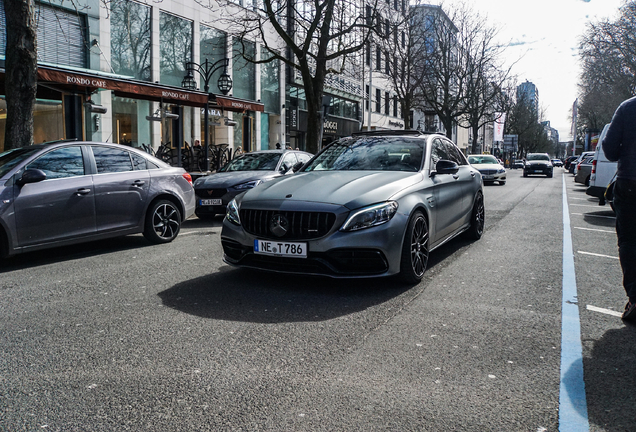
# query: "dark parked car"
70 192
538 163
374 204
568 161
243 173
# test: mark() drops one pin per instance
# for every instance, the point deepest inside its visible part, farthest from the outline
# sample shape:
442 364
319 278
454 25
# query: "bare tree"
21 72
608 58
316 38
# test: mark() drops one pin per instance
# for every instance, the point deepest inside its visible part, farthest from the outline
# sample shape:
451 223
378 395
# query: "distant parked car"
557 162
70 192
243 173
602 171
489 167
568 160
583 171
518 163
579 158
538 163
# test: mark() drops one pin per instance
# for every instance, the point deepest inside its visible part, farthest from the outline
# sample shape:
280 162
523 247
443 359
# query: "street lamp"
224 83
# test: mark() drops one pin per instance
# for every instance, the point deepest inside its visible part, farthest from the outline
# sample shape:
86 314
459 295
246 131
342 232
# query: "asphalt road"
120 335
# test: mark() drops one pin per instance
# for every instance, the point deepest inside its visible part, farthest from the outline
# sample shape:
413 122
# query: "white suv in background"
602 171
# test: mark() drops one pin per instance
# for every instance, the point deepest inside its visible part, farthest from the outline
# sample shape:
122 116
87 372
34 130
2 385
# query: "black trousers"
625 207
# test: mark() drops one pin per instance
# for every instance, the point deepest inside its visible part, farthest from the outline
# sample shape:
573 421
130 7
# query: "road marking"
598 255
603 310
572 402
585 205
594 229
591 215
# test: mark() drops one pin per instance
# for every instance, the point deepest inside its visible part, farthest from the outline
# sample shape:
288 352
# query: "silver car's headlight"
248 185
232 213
501 171
370 216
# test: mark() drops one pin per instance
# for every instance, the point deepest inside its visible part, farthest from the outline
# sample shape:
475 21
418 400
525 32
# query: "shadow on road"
610 380
245 295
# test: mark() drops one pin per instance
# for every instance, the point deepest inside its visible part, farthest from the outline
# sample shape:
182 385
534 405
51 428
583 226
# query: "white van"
602 171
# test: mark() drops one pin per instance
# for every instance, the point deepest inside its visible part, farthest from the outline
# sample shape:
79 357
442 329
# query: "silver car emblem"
278 225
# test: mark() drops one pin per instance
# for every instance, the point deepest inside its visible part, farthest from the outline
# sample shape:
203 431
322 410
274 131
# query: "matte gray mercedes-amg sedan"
63 193
374 204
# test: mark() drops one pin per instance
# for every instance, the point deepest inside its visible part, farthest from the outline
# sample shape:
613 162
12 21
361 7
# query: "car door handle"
83 191
455 176
472 174
139 183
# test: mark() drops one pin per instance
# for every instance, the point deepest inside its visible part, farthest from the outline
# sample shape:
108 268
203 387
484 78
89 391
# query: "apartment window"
130 39
378 61
243 71
387 66
368 93
387 28
368 54
395 106
61 36
369 16
395 34
395 5
270 83
387 103
213 47
175 40
378 100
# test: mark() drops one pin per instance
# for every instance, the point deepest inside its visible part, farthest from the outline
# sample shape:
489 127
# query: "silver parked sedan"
69 192
374 204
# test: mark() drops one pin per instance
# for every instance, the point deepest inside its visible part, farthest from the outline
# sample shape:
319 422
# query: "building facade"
113 72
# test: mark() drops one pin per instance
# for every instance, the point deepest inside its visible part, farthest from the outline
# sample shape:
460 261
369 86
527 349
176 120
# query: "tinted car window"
60 163
454 154
110 160
439 151
538 157
11 158
139 162
371 153
253 162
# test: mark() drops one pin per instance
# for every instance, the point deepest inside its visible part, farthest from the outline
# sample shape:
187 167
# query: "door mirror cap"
31 175
297 166
446 167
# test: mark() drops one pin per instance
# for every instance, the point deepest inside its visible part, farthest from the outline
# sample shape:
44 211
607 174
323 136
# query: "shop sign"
239 105
212 112
293 121
396 124
330 126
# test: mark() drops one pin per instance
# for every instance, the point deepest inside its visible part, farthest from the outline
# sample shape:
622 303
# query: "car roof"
400 132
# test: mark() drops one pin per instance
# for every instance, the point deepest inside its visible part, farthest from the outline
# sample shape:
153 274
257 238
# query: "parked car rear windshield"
371 153
253 162
12 157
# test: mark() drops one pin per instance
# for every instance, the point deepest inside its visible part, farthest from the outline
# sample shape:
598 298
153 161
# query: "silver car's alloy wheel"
477 219
163 222
415 249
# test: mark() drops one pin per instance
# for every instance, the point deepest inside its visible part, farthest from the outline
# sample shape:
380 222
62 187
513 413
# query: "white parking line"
603 310
591 215
598 255
593 229
584 205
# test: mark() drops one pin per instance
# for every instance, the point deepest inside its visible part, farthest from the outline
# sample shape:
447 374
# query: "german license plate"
206 202
538 171
488 177
283 249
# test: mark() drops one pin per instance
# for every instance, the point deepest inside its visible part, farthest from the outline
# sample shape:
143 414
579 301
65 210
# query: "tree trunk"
21 72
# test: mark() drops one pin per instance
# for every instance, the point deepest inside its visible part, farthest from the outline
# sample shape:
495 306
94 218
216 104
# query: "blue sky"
543 36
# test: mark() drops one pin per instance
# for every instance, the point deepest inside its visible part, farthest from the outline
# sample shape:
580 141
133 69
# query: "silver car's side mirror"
31 175
445 167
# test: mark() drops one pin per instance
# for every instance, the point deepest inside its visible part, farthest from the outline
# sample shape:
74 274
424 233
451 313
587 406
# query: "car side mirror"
446 167
297 166
31 175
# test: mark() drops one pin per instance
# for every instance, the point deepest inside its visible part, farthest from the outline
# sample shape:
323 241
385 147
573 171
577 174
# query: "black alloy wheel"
477 219
163 222
415 249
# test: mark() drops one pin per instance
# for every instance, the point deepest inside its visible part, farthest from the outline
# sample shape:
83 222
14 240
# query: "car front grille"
299 225
488 171
210 193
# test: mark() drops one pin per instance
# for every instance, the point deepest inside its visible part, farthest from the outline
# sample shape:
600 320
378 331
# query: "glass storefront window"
213 47
130 39
130 126
244 72
176 48
270 84
48 121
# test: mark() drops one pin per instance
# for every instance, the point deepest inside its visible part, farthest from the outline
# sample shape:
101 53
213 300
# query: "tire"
163 222
587 181
525 174
415 249
549 175
477 219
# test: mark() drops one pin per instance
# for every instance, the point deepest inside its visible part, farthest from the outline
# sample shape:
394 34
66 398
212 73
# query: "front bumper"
370 252
538 170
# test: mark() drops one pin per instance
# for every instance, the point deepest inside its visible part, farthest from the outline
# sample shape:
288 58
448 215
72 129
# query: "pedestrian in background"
620 145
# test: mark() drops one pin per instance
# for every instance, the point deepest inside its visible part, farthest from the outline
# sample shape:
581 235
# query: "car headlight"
367 217
501 171
232 213
248 185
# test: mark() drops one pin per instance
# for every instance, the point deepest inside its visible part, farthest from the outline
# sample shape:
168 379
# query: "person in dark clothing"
620 145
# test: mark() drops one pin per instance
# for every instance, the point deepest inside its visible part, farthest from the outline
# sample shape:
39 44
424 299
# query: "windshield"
253 162
482 159
371 153
11 158
538 157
